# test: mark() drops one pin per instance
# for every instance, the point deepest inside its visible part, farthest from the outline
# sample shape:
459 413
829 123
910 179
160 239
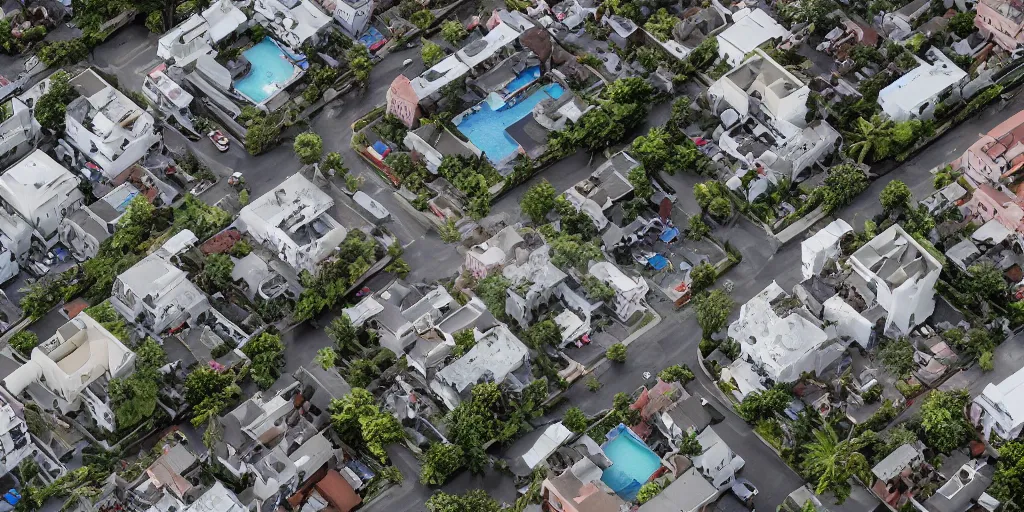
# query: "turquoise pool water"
524 78
633 464
271 69
486 127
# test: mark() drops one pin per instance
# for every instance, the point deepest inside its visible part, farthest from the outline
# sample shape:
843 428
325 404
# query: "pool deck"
297 73
486 128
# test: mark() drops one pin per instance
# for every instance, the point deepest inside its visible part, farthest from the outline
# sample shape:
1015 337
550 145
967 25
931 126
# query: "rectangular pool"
633 463
524 78
485 127
271 71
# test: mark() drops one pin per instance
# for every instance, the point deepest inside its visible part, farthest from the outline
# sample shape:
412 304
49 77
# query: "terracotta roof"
338 492
73 308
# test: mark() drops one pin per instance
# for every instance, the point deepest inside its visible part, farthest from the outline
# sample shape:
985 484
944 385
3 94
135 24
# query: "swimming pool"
271 70
633 464
485 128
524 78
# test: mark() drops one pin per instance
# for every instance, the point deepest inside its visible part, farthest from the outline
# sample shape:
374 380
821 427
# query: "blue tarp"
371 37
669 234
380 147
657 261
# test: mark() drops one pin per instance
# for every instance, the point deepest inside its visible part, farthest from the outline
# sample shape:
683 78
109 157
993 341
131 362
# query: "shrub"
676 373
720 208
616 353
63 53
453 32
647 492
24 342
593 384
575 420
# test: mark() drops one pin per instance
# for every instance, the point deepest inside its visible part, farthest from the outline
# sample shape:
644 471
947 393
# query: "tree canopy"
309 147
538 201
267 354
713 310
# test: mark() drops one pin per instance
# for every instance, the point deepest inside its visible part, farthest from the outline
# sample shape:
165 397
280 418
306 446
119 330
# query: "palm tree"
832 462
872 138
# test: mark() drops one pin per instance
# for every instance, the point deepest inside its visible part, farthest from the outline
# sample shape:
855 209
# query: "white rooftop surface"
224 18
1009 396
171 89
553 437
895 462
686 493
920 85
991 232
34 180
447 71
282 200
747 33
217 499
363 311
480 50
817 249
497 352
609 273
310 18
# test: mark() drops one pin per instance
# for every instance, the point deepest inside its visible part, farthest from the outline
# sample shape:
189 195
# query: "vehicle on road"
219 140
745 490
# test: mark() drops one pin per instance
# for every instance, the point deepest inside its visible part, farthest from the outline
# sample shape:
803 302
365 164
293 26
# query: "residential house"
217 499
689 492
580 489
840 41
105 127
196 35
352 15
483 258
165 480
684 416
896 476
891 289
750 29
901 23
405 320
822 247
1002 21
293 22
18 130
694 28
432 142
42 193
782 338
915 94
763 108
966 486
155 294
84 230
498 356
62 371
534 448
533 284
629 292
16 443
293 220
165 93
999 409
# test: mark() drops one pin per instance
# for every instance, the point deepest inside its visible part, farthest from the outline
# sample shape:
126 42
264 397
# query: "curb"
643 330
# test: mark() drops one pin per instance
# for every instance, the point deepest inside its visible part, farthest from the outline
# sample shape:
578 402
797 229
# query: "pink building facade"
1003 21
403 102
992 165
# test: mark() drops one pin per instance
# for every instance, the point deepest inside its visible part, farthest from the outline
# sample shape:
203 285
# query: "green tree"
464 340
431 52
698 229
493 291
449 232
597 289
440 462
898 357
476 500
24 342
647 492
309 147
720 208
543 334
872 139
702 277
843 184
616 353
333 162
326 358
660 24
575 420
216 276
345 335
642 188
596 130
379 430
538 201
655 151
134 398
51 107
943 421
62 53
267 354
676 373
359 62
713 310
764 405
962 24
209 392
830 462
453 32
986 281
422 19
1008 480
895 196
261 134
346 412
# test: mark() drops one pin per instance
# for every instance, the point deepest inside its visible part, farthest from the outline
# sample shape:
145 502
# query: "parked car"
219 140
745 491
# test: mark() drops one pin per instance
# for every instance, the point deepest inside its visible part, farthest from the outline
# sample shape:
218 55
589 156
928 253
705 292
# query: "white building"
167 95
292 219
42 192
156 295
493 253
18 132
999 409
196 35
83 231
495 357
61 370
217 499
106 127
293 22
717 462
629 292
15 441
823 247
779 335
892 288
916 93
352 15
750 29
